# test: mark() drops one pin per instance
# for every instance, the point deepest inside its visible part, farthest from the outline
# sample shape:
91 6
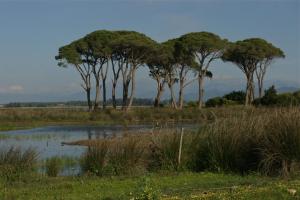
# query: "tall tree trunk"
104 93
249 89
113 94
260 88
160 87
88 96
173 99
125 95
97 96
200 90
181 86
132 93
104 71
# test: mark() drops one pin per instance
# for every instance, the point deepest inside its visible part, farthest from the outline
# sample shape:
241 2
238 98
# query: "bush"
192 104
237 96
214 102
53 166
271 98
219 101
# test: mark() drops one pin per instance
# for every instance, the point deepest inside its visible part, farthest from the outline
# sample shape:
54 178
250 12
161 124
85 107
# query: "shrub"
53 166
215 102
219 101
192 104
237 96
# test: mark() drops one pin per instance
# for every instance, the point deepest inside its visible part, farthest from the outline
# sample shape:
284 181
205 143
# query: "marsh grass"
20 118
246 142
53 166
16 164
280 143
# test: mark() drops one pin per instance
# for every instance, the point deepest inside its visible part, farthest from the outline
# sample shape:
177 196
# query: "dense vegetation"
270 98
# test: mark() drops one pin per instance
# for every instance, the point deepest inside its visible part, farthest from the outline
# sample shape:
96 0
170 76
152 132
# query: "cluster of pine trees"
124 52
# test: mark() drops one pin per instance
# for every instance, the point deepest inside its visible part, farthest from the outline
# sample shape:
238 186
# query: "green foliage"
249 52
237 96
219 101
203 42
145 191
53 166
271 98
192 104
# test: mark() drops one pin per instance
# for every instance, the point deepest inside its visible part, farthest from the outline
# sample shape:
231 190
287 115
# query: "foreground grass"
181 186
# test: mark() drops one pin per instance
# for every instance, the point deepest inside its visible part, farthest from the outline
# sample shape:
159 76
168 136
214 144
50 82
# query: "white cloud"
16 88
11 89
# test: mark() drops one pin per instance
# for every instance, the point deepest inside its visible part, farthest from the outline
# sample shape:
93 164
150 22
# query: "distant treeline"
136 102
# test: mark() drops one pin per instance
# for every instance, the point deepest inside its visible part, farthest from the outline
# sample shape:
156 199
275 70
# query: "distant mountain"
147 89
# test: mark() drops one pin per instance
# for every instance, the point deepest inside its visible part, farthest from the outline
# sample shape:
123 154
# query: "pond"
48 141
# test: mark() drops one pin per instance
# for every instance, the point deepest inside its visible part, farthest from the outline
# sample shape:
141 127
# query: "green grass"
18 118
180 186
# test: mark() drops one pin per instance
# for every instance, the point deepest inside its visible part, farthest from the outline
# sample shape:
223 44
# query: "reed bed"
248 142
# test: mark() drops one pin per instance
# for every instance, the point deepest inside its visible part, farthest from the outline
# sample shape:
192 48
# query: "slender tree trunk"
125 95
249 89
104 93
160 87
200 90
88 96
113 94
132 93
97 97
260 88
173 99
181 86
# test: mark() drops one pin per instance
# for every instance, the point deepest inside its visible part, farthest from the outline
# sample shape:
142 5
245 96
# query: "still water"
48 141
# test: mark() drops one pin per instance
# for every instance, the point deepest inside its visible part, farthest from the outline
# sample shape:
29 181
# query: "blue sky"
32 31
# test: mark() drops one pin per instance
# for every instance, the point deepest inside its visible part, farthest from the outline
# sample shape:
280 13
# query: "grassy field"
24 118
180 186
